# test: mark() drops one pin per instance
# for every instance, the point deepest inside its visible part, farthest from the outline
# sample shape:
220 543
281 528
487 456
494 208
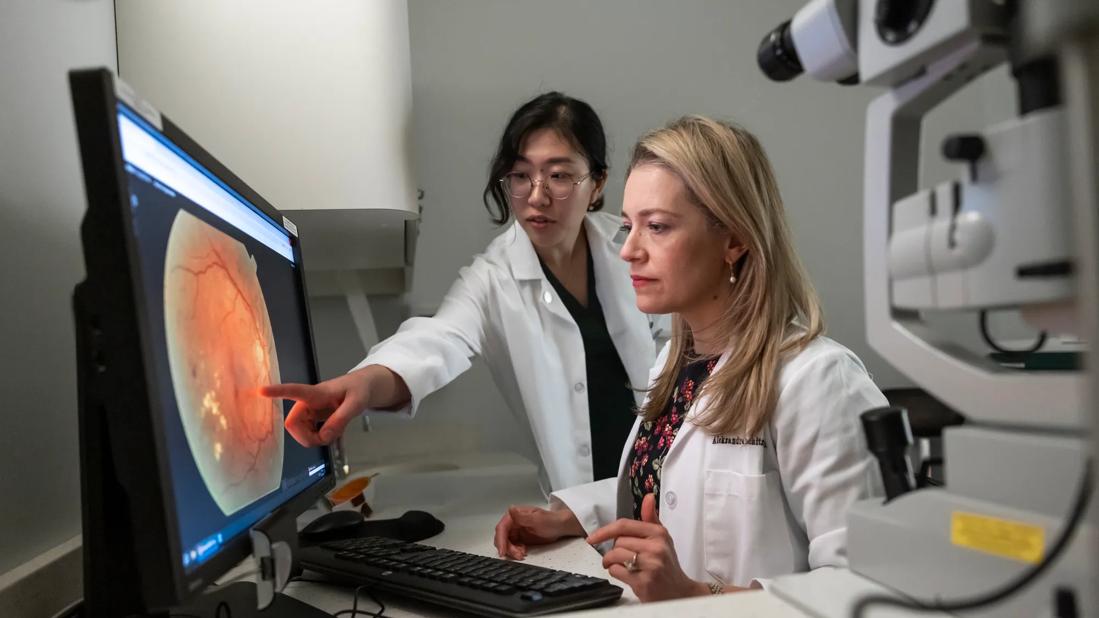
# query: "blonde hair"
774 311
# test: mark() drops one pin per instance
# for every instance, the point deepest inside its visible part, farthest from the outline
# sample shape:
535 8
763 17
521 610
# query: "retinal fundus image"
221 350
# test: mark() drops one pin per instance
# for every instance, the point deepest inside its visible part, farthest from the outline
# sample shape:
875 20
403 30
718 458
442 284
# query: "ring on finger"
631 564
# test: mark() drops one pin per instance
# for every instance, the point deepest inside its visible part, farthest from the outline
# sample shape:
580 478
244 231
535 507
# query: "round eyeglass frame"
572 187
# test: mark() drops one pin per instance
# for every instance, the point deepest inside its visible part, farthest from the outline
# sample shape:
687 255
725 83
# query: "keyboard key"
555 589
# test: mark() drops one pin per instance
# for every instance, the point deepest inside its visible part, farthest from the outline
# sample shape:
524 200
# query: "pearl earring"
732 277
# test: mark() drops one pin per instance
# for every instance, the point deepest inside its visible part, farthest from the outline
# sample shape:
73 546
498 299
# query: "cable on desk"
354 611
304 580
1079 507
378 602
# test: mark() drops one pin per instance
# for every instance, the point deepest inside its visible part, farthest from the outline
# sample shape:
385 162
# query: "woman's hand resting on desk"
530 525
644 558
337 402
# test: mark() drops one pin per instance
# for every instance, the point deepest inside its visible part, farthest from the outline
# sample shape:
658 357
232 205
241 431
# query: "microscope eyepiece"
777 56
898 20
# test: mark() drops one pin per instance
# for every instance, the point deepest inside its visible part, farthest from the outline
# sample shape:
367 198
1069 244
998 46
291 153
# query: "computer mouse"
418 525
341 524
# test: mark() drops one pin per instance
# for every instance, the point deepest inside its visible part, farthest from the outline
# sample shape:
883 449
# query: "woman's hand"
337 402
530 525
644 557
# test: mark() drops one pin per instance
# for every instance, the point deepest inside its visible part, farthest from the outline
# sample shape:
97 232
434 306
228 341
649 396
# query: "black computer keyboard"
457 580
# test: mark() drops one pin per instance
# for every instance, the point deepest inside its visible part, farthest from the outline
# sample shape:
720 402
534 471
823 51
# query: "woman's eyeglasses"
559 185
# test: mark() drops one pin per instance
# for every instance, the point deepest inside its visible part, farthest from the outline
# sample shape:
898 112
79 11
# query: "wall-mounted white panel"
309 102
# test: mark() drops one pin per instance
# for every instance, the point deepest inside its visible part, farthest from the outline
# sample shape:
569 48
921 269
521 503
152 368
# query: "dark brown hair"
574 120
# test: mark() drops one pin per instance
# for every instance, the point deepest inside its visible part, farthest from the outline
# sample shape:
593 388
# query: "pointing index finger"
299 392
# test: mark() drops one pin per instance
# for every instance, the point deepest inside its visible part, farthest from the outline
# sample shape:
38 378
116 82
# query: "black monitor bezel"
124 385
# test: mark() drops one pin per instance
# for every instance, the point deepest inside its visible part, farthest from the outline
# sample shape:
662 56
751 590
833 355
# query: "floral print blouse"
655 437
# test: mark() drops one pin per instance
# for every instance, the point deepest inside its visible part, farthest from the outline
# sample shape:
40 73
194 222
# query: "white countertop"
469 494
473 534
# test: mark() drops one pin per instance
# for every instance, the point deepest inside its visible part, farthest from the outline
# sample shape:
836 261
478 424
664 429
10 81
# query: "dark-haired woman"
549 307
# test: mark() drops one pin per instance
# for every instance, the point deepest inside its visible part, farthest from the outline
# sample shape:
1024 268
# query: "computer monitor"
194 298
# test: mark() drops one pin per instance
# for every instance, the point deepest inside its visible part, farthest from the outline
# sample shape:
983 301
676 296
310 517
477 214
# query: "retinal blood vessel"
221 350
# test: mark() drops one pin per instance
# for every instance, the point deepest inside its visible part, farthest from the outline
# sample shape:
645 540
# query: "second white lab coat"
740 509
503 309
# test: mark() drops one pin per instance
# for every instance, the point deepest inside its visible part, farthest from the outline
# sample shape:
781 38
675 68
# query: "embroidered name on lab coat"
739 441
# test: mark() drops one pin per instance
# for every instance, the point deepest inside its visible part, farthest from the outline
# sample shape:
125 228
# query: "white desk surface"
473 533
471 515
470 521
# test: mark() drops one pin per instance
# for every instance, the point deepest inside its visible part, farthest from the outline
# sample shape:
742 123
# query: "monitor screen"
221 303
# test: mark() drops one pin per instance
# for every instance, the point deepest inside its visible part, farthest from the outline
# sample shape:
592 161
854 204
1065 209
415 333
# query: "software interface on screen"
224 315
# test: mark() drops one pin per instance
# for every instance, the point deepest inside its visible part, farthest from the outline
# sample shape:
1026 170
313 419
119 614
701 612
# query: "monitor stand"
239 601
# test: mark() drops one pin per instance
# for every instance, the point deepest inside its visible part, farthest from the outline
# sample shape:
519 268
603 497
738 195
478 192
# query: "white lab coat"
503 309
739 512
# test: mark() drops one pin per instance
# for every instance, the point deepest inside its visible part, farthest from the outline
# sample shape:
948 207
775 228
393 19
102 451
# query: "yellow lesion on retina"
210 404
261 354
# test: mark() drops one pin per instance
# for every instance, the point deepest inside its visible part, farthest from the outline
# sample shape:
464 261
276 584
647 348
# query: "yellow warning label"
1000 537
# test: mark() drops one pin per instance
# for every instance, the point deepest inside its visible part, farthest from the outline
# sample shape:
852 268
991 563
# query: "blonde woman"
747 451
